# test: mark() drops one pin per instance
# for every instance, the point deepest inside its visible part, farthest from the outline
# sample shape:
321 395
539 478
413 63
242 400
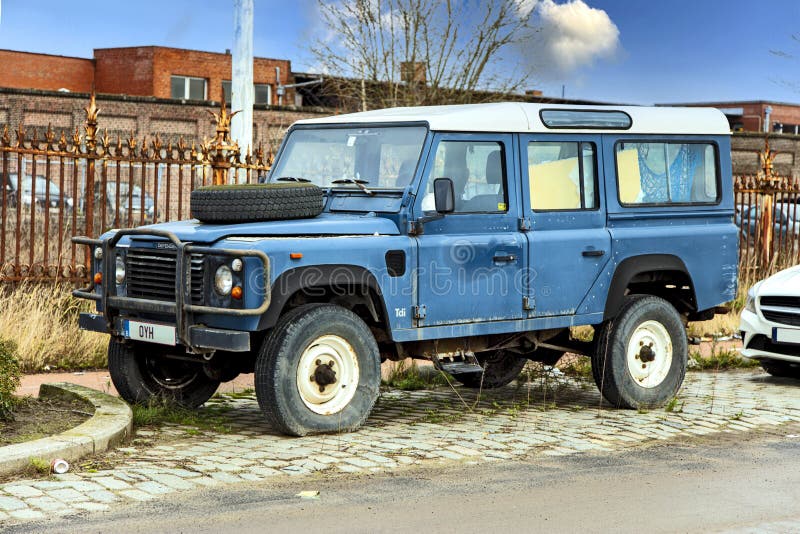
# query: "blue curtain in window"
680 171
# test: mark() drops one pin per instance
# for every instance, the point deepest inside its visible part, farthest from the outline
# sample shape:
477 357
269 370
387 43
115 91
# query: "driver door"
470 261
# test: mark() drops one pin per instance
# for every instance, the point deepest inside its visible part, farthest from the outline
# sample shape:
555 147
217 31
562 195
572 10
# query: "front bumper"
193 336
200 337
757 340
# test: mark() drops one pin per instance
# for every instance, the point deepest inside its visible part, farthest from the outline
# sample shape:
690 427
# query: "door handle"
593 253
504 258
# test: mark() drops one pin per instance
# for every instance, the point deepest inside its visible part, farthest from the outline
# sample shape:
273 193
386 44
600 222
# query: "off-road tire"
133 371
276 370
609 359
781 369
256 202
500 368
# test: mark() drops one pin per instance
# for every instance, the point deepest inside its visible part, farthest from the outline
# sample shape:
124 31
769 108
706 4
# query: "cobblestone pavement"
549 416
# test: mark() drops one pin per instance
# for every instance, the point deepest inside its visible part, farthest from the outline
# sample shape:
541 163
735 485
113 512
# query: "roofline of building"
542 99
44 54
114 97
186 50
733 103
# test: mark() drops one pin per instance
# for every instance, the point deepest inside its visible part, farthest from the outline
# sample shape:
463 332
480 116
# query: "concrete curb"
111 424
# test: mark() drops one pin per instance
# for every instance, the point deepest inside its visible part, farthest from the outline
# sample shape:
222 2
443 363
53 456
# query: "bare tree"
386 53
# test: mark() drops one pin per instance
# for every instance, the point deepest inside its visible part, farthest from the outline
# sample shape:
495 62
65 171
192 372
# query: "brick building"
143 90
144 71
752 115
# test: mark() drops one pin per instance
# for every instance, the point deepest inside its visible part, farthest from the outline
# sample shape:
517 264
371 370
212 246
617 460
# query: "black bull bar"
181 309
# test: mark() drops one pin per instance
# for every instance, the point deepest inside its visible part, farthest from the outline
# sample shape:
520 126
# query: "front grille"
783 310
785 302
792 319
151 274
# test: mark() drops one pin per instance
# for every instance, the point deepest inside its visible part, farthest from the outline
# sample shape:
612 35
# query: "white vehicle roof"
523 117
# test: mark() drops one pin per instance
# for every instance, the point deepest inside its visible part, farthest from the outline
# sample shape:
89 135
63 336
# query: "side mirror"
444 195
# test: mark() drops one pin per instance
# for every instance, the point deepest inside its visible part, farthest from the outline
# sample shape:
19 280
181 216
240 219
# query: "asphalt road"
725 482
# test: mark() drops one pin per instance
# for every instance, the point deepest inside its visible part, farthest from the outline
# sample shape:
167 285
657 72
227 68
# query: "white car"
771 323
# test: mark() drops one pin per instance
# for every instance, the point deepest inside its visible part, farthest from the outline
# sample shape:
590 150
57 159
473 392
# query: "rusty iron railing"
86 183
768 216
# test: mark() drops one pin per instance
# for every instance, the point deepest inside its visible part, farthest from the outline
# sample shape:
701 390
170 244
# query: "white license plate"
150 332
786 335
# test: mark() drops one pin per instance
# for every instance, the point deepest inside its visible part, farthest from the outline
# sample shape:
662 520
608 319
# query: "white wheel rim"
649 354
339 356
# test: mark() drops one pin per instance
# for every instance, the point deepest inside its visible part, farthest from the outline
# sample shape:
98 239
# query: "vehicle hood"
784 283
323 224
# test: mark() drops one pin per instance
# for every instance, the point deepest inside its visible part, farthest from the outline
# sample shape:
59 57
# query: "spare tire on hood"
256 202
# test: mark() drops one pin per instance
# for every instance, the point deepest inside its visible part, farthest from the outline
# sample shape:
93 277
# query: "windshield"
41 186
383 157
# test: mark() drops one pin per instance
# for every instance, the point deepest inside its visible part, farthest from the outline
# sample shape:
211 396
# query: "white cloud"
572 35
524 7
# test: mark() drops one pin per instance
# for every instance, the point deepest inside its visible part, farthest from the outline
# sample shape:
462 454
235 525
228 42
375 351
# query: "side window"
666 173
478 172
562 175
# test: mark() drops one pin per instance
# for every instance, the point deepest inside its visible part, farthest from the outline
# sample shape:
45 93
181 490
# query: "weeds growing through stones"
411 377
161 411
38 465
720 360
674 406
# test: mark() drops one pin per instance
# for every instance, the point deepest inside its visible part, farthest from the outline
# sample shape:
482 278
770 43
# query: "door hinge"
528 303
419 312
523 224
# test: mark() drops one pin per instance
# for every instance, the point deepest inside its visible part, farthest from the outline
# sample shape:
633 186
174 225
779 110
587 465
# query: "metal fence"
768 217
57 187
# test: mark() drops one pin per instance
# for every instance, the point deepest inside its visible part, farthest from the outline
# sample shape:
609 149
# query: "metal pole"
242 91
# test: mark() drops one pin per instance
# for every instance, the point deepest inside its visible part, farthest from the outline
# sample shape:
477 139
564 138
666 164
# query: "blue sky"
665 51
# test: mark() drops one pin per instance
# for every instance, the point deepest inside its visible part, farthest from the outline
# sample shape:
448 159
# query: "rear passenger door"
568 244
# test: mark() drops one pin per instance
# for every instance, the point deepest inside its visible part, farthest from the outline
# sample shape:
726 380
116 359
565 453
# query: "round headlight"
120 270
236 265
223 280
98 253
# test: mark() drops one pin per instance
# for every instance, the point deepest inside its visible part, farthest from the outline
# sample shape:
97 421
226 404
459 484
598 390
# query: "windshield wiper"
292 179
359 182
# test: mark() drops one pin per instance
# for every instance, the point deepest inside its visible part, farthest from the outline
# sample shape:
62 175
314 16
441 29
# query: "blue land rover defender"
473 236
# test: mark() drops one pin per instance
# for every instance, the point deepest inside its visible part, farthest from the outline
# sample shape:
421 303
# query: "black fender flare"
629 268
319 276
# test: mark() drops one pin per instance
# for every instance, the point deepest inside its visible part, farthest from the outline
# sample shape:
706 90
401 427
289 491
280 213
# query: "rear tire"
781 369
500 368
640 355
141 377
319 371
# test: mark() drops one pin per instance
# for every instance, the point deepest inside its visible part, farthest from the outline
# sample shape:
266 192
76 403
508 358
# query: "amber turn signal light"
296 255
98 278
236 292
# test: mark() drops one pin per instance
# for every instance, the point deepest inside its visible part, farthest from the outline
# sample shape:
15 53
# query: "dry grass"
42 319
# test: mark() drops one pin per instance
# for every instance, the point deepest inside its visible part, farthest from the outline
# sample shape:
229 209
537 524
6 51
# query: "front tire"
318 371
640 356
140 376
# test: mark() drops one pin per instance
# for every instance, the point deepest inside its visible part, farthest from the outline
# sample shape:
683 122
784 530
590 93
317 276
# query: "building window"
263 92
187 88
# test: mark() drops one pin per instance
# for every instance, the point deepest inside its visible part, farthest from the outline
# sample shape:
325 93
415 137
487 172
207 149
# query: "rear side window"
562 175
667 173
